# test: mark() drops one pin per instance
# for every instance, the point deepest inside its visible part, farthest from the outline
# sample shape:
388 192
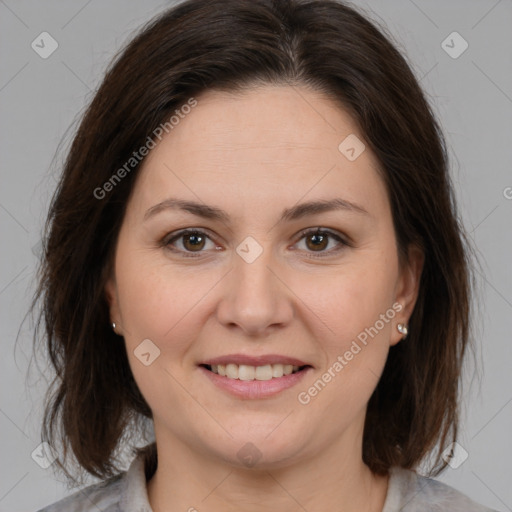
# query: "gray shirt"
126 492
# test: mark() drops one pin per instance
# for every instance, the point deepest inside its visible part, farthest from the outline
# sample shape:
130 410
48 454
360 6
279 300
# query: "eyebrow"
289 214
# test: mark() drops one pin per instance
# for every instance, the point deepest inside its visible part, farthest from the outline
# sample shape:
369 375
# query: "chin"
262 450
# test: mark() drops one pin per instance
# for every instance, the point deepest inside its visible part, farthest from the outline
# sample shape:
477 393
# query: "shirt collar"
134 494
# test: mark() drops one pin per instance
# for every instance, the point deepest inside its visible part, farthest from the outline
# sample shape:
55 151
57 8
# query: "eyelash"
166 242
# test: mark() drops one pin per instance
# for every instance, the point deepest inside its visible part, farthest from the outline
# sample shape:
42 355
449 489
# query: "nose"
255 297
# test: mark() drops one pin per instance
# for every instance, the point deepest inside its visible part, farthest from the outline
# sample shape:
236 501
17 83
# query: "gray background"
472 95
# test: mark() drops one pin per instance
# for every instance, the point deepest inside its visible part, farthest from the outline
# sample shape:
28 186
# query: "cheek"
355 346
159 305
157 302
352 299
354 317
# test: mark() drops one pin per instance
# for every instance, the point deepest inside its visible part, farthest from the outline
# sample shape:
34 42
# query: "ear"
113 302
407 289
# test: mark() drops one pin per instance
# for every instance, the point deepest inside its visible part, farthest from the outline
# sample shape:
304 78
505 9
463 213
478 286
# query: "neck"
185 480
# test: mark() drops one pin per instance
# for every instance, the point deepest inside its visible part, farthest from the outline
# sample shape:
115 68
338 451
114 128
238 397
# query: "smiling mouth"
248 373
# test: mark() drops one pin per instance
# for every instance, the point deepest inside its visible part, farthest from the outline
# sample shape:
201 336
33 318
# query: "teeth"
262 372
246 372
232 371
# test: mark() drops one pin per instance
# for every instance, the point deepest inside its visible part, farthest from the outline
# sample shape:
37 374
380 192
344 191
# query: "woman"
254 249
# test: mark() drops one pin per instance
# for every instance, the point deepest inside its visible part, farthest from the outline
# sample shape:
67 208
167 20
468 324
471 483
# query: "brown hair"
230 45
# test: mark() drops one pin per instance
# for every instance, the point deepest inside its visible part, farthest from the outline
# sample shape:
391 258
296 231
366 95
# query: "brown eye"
192 241
317 240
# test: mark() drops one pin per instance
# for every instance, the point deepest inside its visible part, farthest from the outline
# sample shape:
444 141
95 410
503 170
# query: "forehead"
296 117
269 144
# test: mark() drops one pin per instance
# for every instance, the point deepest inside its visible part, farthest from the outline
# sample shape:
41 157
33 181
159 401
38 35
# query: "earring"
114 326
402 328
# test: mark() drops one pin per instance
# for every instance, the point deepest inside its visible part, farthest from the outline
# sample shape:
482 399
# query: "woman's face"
251 290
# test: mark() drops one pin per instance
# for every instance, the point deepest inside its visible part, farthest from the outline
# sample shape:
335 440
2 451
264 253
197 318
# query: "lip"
255 389
255 360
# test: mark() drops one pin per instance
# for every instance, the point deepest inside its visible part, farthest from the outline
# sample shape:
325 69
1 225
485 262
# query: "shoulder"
104 496
411 492
125 492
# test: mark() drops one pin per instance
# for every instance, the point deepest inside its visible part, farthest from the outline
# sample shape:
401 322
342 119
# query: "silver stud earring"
114 326
402 328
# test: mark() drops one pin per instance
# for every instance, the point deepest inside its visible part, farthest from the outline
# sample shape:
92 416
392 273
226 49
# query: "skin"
252 155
